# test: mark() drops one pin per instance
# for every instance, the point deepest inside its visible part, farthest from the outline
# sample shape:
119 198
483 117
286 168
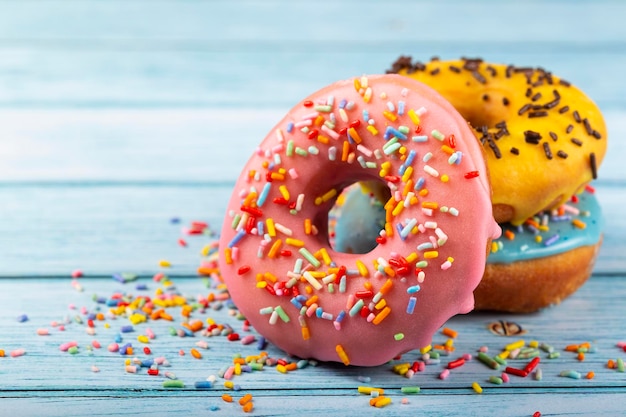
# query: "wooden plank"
97 77
370 21
441 404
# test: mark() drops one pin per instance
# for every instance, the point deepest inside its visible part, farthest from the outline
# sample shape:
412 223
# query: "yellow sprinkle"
494 247
271 230
538 238
325 256
281 369
357 84
381 304
476 387
515 345
412 257
504 354
431 254
362 389
229 385
284 192
533 344
390 116
164 264
414 117
261 284
407 174
294 242
426 349
270 278
368 95
382 402
362 269
342 355
445 178
307 226
372 130
398 209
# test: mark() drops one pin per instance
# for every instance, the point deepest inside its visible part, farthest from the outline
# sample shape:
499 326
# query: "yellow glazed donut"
543 137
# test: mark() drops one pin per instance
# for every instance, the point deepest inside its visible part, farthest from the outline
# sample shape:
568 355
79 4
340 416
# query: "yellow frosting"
554 139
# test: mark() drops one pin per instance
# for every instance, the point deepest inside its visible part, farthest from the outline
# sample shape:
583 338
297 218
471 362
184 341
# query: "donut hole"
357 217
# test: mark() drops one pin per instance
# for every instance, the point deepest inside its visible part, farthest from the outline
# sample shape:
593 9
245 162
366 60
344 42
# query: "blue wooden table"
122 122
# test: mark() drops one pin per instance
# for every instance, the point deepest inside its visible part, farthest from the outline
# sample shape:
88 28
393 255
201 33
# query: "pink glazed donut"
360 309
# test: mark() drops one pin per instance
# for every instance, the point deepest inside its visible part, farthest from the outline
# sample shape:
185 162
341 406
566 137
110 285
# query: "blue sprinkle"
413 289
340 316
296 303
400 108
203 384
290 127
146 363
411 306
343 103
127 329
261 343
175 220
264 192
551 240
22 318
366 115
240 234
118 338
141 287
319 312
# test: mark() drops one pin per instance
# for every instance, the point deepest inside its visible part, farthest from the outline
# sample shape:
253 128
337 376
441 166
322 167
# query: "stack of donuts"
366 218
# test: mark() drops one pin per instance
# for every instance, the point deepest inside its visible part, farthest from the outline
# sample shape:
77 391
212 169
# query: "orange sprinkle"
195 353
581 356
248 407
579 223
430 204
345 151
275 248
449 332
245 399
509 235
307 226
227 398
610 364
590 375
342 355
382 315
305 333
228 256
354 135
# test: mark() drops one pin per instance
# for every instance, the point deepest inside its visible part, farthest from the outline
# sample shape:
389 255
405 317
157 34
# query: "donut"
418 153
531 266
544 138
544 141
545 260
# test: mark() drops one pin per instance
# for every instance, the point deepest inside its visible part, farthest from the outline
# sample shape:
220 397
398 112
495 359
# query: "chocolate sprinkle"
587 126
532 137
523 109
553 136
563 109
576 116
505 101
569 129
577 142
515 151
485 97
546 149
541 113
494 148
561 154
435 71
536 97
479 77
594 166
455 69
596 134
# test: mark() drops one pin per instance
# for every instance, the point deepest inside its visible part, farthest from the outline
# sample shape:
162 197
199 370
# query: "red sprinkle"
532 365
242 270
307 103
233 337
452 141
355 123
456 363
471 174
153 371
364 294
147 350
516 372
285 252
313 134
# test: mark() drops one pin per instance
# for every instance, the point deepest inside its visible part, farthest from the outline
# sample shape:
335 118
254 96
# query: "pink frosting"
362 309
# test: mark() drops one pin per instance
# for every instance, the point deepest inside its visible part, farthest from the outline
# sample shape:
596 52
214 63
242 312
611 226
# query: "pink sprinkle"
158 277
77 273
444 374
505 377
66 346
246 340
72 307
113 347
17 352
43 332
94 368
160 360
483 349
229 373
150 333
181 352
621 344
467 357
96 344
61 328
131 369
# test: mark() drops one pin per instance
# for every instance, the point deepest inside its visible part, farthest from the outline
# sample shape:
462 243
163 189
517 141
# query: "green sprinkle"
434 354
495 380
235 221
256 366
356 308
172 331
404 129
323 108
620 365
372 165
281 313
500 360
331 288
301 152
398 336
538 374
173 383
309 257
554 355
290 147
391 149
437 135
410 390
421 264
488 360
74 350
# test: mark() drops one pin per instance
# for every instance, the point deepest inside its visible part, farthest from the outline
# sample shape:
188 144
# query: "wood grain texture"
118 116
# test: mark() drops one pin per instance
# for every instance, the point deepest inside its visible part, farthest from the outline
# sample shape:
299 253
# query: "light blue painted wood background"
117 116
